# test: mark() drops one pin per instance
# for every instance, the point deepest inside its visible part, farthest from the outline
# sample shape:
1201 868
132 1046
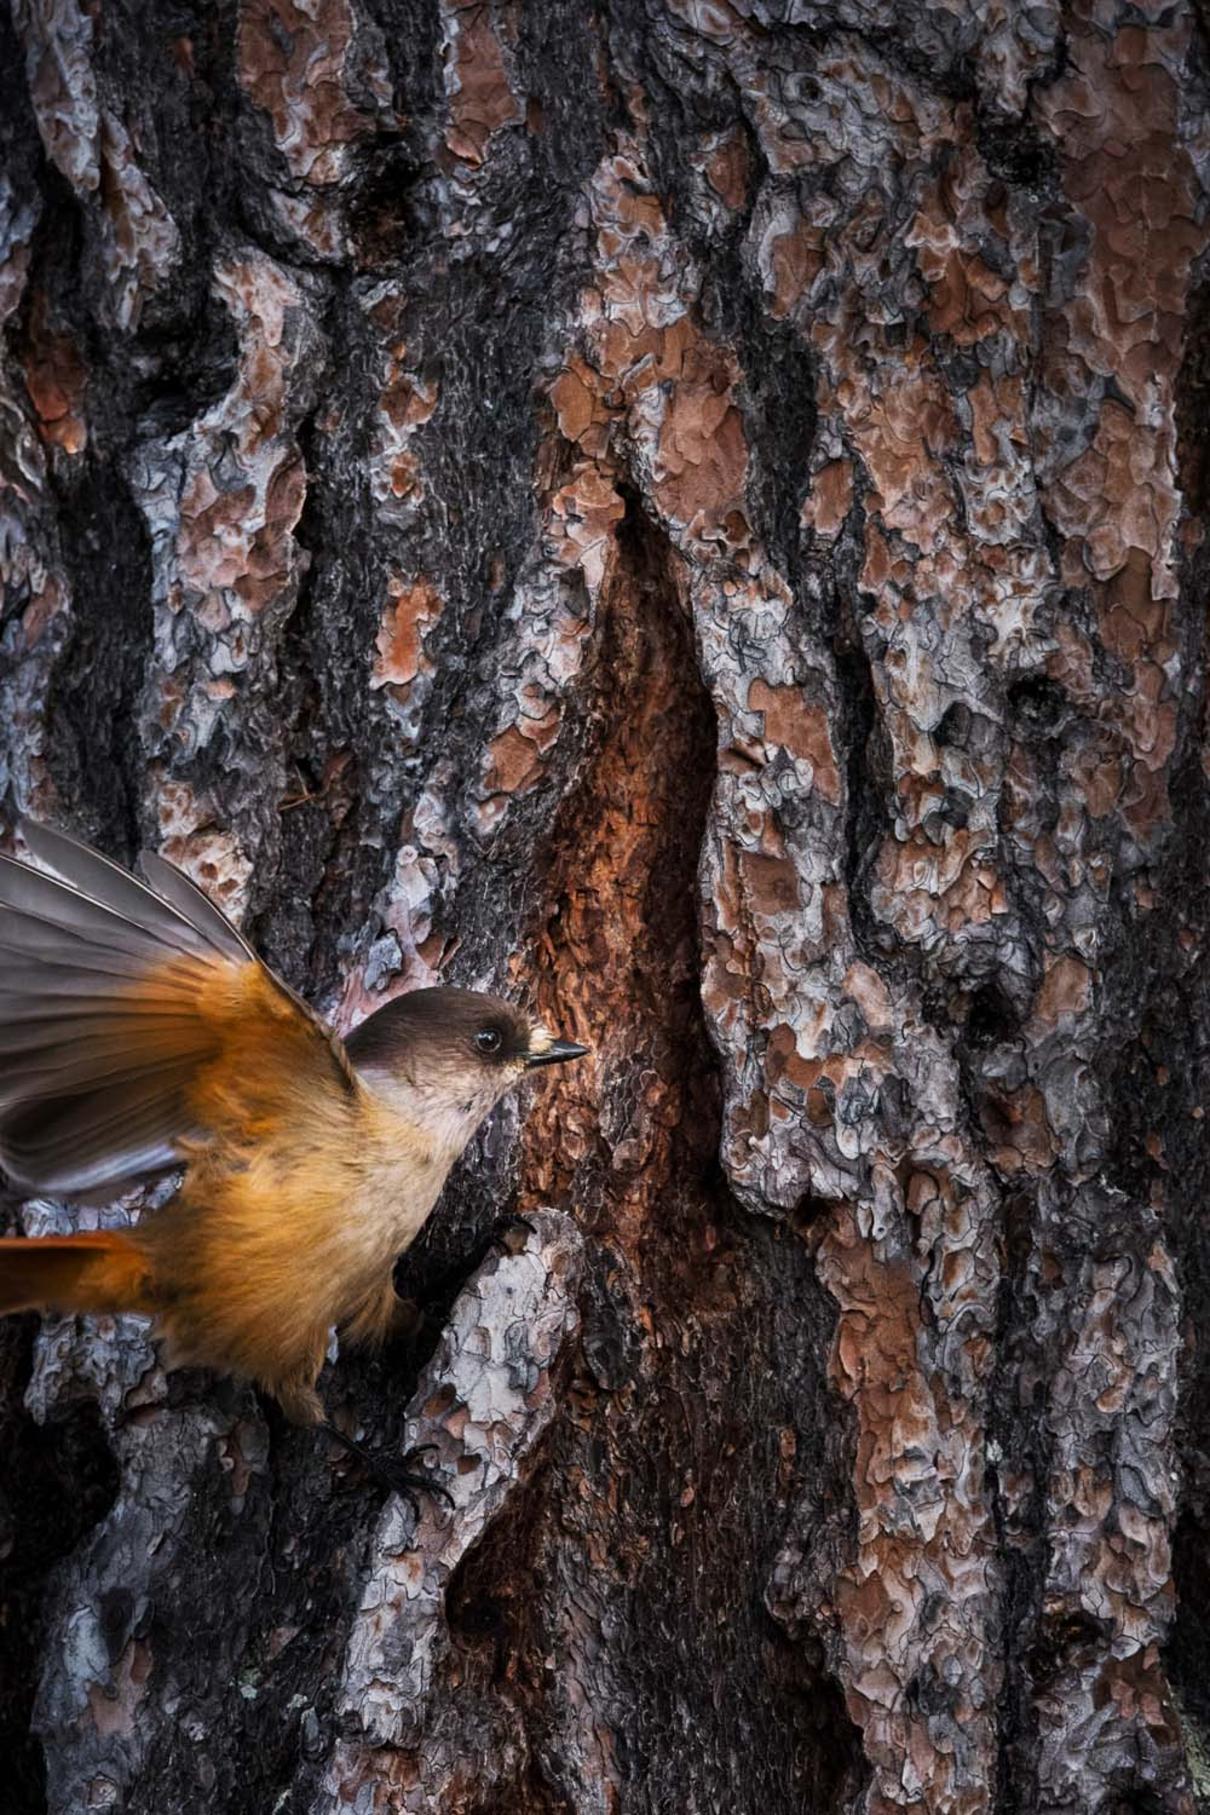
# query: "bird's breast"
399 1180
393 1203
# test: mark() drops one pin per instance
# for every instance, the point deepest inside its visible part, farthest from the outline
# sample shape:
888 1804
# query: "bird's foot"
404 1477
400 1474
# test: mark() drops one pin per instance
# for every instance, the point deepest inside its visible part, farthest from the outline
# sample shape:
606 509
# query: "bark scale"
691 512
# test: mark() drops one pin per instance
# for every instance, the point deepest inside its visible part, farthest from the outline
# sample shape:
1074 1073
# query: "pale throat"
445 1107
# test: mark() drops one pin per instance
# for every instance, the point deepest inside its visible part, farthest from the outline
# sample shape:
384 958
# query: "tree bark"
689 512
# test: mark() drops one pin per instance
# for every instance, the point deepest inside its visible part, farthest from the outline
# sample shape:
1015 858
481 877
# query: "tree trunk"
687 511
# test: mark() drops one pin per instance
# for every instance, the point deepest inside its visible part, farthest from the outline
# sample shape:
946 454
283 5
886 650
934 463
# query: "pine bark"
689 512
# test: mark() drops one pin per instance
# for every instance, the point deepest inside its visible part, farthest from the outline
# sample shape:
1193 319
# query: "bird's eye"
488 1040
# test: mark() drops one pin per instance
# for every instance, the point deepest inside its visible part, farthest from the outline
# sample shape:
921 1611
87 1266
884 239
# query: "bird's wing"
135 1021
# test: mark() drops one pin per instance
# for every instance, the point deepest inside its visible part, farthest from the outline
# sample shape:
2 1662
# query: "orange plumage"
138 1032
104 1271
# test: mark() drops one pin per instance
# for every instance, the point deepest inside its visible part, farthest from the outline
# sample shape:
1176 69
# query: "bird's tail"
100 1272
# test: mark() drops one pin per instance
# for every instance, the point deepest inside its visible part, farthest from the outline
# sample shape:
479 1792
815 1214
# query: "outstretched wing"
135 1021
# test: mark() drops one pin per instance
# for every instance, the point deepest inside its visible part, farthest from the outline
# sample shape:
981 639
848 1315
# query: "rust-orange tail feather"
100 1272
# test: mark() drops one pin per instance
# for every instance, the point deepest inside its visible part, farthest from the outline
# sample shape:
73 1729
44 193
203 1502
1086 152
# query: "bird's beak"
546 1051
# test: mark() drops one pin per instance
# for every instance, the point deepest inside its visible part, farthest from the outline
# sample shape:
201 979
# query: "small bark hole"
991 1019
1038 705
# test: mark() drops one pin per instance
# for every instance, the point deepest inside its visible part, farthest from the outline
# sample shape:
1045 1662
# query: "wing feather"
184 896
115 1137
135 1022
172 907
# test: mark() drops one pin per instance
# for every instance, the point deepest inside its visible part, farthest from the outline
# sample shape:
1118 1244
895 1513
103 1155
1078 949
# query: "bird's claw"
398 1473
407 1480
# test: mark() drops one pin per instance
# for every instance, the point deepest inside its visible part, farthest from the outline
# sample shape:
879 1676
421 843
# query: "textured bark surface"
689 511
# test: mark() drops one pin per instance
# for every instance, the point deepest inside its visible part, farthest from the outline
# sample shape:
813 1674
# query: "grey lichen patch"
222 502
105 1690
59 38
483 1401
36 615
1110 1494
1197 1751
90 144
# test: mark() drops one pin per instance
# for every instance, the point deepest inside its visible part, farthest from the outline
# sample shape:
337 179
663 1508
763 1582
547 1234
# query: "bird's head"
444 1057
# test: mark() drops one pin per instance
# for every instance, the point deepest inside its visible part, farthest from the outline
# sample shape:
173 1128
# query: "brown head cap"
439 1026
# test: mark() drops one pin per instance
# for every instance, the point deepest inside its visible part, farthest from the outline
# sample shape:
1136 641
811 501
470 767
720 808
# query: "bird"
140 1033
